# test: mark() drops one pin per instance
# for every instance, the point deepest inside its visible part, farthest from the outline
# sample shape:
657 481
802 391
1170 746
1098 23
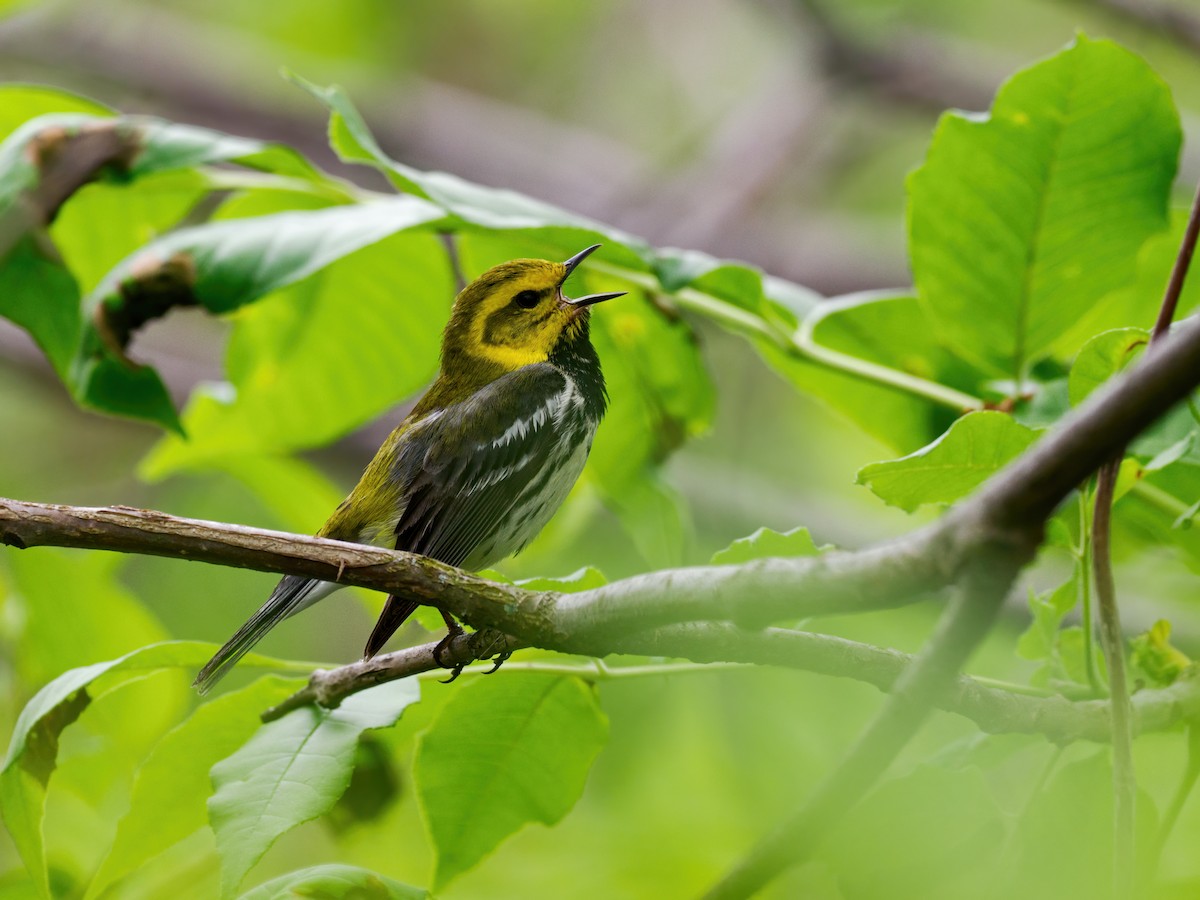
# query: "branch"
1011 506
1170 20
994 710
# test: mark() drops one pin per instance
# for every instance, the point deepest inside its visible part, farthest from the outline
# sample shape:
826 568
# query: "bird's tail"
292 594
395 611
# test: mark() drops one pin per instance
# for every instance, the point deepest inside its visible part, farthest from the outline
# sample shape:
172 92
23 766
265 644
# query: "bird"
485 457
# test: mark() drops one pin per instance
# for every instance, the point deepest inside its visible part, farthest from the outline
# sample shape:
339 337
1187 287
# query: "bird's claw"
499 660
453 630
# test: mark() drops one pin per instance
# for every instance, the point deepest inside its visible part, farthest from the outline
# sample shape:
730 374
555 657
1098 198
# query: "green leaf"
977 446
1146 520
1011 242
1138 303
169 793
489 208
292 770
890 330
661 397
42 295
158 146
334 882
133 215
307 366
1040 640
1102 357
500 754
32 752
39 295
765 543
1160 661
221 266
21 102
1071 661
655 515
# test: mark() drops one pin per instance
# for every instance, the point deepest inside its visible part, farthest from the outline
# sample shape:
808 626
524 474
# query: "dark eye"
527 299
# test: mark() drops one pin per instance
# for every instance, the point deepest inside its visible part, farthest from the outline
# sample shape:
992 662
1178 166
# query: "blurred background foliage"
777 133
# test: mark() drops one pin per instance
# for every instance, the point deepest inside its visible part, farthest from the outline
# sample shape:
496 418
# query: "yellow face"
513 314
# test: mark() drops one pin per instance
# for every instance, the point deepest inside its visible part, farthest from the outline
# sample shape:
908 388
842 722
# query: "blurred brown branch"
1170 20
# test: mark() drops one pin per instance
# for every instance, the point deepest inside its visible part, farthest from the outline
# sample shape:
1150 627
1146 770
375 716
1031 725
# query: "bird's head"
516 314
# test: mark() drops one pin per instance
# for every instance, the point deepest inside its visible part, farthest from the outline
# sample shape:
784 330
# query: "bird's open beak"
572 264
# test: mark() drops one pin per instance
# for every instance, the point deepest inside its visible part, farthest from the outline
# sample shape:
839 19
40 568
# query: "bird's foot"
453 630
500 659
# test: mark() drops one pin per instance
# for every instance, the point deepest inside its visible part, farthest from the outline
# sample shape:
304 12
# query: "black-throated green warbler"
486 456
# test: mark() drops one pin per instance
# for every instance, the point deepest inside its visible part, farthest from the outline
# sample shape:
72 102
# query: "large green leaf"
157 146
489 208
21 102
312 362
133 215
292 770
1020 221
169 793
504 752
222 267
887 329
733 294
977 446
42 297
334 882
33 749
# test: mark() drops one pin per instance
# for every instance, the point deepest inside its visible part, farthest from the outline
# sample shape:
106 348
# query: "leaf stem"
806 344
1113 643
1156 496
801 342
1111 638
1083 573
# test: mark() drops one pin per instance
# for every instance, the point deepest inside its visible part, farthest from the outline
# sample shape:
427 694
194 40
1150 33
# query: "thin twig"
1085 590
994 707
1111 634
1112 642
1179 271
1169 19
